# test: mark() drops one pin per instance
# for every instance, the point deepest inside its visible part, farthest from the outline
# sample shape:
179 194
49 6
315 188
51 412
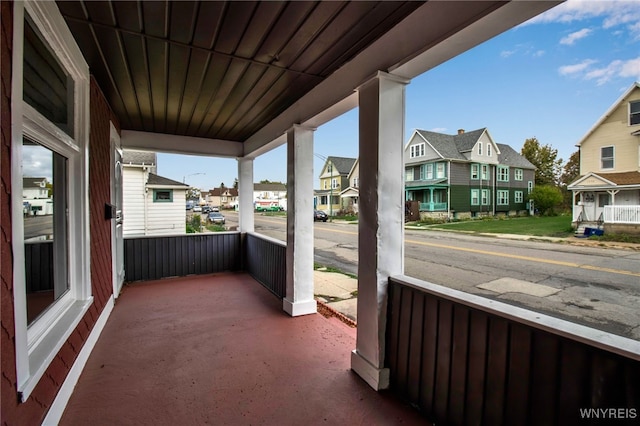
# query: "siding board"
459 364
496 371
518 380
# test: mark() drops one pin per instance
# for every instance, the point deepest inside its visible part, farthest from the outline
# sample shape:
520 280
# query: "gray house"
465 175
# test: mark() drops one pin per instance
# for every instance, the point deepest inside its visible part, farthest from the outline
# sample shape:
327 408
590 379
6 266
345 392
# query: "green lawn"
544 226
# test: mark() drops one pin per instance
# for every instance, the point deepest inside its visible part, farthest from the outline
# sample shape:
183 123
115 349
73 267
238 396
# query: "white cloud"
539 53
576 68
603 74
36 162
575 36
439 129
507 53
614 13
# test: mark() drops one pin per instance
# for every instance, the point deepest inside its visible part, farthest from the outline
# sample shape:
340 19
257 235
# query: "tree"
571 172
235 183
222 185
545 158
193 194
545 198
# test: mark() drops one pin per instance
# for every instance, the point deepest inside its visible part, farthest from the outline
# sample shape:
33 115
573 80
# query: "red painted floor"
218 349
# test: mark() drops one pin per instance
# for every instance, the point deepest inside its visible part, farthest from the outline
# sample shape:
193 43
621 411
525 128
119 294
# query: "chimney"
460 131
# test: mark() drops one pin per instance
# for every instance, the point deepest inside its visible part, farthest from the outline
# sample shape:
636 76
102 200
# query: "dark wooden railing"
38 266
265 259
151 258
463 359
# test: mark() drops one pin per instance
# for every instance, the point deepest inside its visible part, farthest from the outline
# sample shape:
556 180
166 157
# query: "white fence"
622 214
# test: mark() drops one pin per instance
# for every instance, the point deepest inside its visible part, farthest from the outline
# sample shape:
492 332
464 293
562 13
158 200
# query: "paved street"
591 285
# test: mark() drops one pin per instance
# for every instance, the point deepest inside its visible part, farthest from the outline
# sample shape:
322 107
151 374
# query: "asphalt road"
594 286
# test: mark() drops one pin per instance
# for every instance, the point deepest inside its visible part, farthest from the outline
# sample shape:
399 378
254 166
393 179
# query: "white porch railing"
622 214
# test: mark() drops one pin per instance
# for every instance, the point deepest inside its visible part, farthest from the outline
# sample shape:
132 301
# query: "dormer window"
634 113
479 148
416 150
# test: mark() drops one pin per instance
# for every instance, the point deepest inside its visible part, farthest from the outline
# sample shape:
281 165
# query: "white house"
152 204
268 194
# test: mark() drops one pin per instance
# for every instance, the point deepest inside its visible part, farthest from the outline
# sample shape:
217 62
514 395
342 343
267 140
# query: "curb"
328 312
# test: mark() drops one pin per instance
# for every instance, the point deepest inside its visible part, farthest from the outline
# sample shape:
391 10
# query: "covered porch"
217 349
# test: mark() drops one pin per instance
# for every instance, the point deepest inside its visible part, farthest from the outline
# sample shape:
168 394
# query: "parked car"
197 209
206 209
216 217
215 209
320 215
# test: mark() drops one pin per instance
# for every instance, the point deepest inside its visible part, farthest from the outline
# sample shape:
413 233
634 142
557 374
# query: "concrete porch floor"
218 349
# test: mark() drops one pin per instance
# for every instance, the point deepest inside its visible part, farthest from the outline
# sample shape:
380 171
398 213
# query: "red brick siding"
7 345
35 408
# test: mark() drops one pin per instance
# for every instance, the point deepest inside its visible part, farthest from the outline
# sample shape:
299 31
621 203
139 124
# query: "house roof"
146 158
32 182
510 157
607 180
343 165
621 178
269 187
610 111
155 180
217 192
235 75
467 140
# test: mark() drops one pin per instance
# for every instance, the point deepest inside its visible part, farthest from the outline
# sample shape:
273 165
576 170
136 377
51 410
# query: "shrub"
546 198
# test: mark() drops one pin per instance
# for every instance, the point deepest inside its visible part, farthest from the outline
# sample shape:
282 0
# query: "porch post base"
377 378
296 309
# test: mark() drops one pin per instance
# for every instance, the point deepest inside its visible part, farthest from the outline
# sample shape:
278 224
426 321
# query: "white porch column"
299 299
381 218
245 195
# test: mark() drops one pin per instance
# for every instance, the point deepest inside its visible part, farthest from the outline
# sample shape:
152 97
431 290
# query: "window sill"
48 346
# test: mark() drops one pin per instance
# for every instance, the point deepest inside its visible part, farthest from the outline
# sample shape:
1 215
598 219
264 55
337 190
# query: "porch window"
604 200
166 196
606 157
634 113
518 174
503 198
52 290
503 174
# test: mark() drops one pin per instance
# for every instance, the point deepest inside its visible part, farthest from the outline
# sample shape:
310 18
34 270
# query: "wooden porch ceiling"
223 70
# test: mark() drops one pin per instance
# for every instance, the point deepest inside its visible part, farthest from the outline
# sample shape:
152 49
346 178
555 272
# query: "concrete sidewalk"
337 291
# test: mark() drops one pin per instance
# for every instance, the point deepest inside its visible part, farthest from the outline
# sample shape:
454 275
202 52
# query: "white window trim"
417 150
518 197
484 172
477 167
518 174
477 197
629 113
37 345
501 173
501 194
488 150
479 148
485 198
613 157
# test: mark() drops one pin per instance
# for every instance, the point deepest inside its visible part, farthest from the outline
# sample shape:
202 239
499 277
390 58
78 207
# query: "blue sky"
551 78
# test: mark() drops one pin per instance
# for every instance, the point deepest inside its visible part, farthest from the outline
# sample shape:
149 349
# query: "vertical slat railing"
266 261
152 258
38 257
463 359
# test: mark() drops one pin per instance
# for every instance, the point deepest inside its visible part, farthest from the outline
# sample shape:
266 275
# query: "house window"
475 171
164 196
325 184
503 174
606 157
330 168
484 172
604 200
485 197
518 197
479 148
334 183
356 182
440 170
488 150
416 150
503 198
323 200
518 174
421 171
634 113
408 176
529 186
475 193
55 128
429 171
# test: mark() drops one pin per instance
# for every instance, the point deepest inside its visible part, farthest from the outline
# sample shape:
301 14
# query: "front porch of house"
218 349
612 210
431 198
